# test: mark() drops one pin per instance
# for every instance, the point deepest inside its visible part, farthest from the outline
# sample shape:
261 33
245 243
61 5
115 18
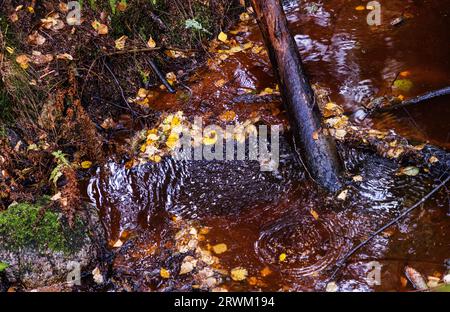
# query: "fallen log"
317 150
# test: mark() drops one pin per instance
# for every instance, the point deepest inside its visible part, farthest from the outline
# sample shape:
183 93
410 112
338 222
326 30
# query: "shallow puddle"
279 226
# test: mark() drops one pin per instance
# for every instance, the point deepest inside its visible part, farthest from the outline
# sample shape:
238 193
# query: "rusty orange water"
260 216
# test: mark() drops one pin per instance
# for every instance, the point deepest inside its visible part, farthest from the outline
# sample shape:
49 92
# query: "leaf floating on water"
86 164
316 135
97 276
343 195
164 273
220 248
118 244
433 159
403 84
409 171
357 178
239 274
282 257
405 73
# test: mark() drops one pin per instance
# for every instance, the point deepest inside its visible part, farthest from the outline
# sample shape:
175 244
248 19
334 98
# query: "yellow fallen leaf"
121 6
228 116
142 93
172 140
155 158
220 83
120 43
14 17
405 73
360 8
314 214
316 135
30 9
23 61
100 28
220 248
409 171
266 271
244 17
65 56
171 77
433 159
151 43
282 257
210 138
86 164
118 244
222 37
164 273
10 50
239 274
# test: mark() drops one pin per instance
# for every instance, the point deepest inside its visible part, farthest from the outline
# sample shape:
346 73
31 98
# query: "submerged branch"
342 262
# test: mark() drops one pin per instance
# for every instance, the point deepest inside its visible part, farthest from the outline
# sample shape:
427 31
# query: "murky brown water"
262 215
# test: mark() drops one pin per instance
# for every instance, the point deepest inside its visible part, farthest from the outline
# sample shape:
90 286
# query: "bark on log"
318 151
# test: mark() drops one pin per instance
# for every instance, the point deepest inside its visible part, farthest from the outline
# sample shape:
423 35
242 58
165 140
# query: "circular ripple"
310 245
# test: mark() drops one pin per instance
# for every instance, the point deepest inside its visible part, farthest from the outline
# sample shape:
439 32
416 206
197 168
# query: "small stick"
340 263
161 76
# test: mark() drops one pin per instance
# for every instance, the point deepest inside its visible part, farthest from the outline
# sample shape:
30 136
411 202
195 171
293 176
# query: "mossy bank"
38 248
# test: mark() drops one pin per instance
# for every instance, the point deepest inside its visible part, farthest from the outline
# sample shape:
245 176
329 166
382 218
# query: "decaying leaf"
36 39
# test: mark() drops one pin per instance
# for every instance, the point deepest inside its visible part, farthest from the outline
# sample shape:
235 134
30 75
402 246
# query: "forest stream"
278 229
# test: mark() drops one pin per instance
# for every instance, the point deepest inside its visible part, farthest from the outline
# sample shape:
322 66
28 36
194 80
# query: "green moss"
23 225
